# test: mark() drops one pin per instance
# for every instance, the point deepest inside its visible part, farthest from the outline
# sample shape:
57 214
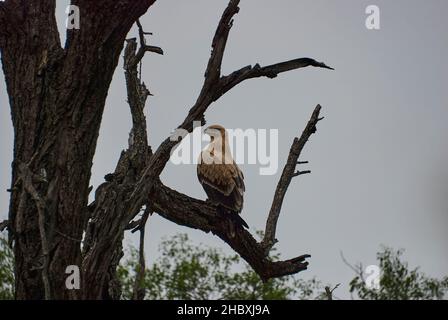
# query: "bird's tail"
238 220
234 216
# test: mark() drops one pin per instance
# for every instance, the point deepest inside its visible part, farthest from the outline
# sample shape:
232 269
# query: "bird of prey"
221 178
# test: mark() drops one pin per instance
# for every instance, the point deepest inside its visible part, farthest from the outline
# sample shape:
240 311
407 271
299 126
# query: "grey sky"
378 159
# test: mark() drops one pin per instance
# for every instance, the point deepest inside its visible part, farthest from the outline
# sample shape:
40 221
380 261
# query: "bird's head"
215 131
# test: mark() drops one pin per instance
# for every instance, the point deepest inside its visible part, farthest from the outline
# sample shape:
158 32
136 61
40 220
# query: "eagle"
222 180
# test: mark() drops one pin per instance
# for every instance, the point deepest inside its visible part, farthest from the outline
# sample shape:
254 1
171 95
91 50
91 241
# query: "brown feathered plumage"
219 175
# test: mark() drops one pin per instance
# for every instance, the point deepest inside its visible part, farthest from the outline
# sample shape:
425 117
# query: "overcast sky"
378 160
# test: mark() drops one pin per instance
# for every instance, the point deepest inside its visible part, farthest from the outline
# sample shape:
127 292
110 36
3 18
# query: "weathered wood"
289 172
57 96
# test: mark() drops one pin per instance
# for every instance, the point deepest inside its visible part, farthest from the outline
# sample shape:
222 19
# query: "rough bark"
57 98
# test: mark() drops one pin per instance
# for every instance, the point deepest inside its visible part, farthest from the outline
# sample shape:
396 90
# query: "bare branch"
213 71
205 98
212 74
357 269
289 172
213 88
143 47
137 183
141 33
299 173
107 229
26 178
4 225
139 289
197 214
137 96
271 71
134 225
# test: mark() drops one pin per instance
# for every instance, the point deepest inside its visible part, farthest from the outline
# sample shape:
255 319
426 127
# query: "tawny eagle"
220 177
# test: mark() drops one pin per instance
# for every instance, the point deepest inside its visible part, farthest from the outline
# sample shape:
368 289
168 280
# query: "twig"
300 173
356 269
289 172
3 225
134 225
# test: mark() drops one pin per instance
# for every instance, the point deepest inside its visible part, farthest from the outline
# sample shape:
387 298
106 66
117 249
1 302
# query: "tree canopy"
185 270
398 281
188 271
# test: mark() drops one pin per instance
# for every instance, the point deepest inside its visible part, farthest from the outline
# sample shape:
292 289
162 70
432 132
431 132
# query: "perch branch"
289 172
198 214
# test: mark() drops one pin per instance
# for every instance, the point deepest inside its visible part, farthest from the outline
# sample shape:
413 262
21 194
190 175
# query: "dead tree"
57 96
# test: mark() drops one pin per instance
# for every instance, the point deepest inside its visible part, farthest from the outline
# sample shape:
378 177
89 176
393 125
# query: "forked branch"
143 47
136 186
289 172
215 86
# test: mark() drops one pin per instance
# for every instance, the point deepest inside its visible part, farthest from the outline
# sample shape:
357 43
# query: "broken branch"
289 172
143 47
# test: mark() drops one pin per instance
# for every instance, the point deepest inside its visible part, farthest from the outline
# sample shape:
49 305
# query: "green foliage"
398 282
6 271
186 271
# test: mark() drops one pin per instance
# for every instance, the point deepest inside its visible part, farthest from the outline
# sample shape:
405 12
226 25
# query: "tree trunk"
57 97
